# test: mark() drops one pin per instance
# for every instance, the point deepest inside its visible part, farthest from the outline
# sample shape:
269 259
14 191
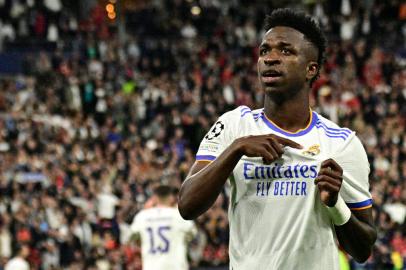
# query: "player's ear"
311 70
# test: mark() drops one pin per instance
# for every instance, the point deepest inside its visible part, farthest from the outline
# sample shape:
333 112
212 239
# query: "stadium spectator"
19 262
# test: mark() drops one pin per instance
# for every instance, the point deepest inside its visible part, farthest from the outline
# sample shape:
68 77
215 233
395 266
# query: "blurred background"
100 101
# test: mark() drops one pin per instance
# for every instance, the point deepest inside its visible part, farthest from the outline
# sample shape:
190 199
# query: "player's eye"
286 51
263 51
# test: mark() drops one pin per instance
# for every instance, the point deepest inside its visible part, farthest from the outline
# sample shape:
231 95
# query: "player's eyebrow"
285 44
265 44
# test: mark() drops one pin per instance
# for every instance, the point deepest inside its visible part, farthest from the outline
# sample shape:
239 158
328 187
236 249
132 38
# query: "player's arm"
354 228
358 235
191 231
135 228
136 238
206 180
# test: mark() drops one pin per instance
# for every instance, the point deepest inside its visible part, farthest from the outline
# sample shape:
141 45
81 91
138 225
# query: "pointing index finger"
287 142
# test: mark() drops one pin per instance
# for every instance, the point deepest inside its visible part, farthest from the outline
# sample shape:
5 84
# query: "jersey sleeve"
189 229
355 187
136 225
219 137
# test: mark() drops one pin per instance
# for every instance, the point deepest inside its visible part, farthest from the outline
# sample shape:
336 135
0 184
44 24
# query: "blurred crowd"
88 129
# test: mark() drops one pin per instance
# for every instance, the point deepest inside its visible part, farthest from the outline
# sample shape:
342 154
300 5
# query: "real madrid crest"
312 150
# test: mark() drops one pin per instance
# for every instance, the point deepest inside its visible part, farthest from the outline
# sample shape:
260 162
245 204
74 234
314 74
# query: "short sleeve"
136 225
219 137
355 187
188 227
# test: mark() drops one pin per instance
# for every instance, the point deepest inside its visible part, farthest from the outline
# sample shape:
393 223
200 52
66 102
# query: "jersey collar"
300 132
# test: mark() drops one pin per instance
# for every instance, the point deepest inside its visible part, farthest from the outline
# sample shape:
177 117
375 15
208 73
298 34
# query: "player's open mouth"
270 76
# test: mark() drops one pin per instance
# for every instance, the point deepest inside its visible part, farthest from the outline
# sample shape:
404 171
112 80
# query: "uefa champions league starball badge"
215 131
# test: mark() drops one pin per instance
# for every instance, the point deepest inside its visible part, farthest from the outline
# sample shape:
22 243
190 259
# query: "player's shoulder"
155 212
333 130
147 212
140 214
170 214
241 113
342 138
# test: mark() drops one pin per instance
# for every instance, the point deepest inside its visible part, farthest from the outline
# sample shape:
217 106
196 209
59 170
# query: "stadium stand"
96 111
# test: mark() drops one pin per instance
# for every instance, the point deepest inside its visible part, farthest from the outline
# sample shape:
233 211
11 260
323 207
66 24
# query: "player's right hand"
269 146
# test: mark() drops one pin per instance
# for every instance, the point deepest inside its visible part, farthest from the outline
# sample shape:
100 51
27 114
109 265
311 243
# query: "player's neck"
291 114
163 205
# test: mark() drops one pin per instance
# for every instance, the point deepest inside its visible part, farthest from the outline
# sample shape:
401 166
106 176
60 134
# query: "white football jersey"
164 238
277 220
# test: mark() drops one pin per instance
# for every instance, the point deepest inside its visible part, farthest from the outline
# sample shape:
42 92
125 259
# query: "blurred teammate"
163 233
299 182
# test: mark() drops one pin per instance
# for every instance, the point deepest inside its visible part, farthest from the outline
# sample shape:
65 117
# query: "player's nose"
272 60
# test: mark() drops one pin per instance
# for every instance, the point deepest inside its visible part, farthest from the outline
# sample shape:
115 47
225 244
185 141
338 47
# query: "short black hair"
163 191
303 23
19 248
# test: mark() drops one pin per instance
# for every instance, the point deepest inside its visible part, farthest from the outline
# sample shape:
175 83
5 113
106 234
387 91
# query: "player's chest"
291 176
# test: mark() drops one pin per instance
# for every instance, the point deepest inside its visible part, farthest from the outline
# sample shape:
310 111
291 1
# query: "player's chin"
272 87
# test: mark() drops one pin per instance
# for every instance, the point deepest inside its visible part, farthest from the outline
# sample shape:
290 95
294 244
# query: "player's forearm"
201 189
357 238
